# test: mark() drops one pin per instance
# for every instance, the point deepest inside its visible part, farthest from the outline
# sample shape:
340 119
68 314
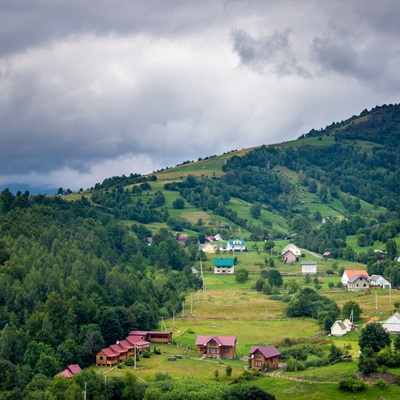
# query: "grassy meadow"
230 308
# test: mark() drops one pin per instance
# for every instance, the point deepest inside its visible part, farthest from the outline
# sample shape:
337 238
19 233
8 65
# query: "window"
226 349
213 351
258 363
257 355
213 343
101 357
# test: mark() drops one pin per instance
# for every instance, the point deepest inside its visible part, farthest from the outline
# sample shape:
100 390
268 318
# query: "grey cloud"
267 52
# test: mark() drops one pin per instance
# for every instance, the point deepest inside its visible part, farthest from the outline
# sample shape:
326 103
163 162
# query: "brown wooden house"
216 346
264 357
153 337
118 349
141 345
106 357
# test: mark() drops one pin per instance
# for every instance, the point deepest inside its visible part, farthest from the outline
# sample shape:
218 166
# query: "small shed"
327 255
309 267
379 281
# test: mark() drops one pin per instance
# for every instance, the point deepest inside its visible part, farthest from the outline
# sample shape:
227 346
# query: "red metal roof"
116 348
266 351
70 371
126 344
202 340
137 340
108 352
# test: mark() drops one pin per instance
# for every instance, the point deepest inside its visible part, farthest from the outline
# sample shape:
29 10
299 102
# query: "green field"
229 308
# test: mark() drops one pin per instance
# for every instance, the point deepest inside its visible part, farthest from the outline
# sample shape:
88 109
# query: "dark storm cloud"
272 52
95 89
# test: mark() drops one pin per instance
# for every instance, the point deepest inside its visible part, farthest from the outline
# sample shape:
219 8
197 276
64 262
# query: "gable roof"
266 351
202 340
356 277
394 319
108 352
126 344
340 323
351 272
70 371
116 348
224 262
293 248
236 242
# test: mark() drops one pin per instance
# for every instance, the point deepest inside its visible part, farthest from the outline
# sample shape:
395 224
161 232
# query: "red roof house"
264 357
70 371
106 357
216 346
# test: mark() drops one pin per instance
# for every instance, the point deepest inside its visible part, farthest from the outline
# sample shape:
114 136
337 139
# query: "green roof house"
236 245
224 265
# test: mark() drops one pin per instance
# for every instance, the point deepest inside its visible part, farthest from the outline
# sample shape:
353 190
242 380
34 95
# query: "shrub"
129 361
352 384
381 384
146 354
329 272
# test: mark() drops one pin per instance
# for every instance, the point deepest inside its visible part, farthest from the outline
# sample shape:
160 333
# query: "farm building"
309 267
392 324
216 346
348 273
224 265
236 245
327 255
264 357
379 281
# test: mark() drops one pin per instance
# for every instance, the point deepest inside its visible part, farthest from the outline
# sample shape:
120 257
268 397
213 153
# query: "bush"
129 361
329 272
381 384
352 384
146 354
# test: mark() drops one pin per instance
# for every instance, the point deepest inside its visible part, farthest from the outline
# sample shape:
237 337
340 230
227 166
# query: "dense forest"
73 280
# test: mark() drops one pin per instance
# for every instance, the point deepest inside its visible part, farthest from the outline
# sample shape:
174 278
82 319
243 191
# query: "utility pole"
134 357
183 310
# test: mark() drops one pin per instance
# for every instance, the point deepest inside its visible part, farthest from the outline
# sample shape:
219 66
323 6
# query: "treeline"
74 279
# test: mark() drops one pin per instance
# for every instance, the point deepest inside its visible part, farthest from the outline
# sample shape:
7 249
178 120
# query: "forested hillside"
73 280
77 271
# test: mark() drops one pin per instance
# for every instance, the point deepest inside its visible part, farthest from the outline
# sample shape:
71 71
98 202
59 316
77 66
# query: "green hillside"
80 271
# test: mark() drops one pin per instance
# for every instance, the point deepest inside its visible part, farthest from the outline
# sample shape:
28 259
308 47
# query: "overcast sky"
94 89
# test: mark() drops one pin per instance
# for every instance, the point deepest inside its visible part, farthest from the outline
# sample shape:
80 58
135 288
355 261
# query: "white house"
340 328
349 273
392 324
379 281
309 267
293 248
236 245
358 282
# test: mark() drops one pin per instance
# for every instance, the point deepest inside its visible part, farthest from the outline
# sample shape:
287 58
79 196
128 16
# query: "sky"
95 89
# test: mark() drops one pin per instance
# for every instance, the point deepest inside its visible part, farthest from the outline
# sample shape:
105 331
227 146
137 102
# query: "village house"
70 371
153 337
392 324
236 245
379 281
289 257
263 357
224 265
118 349
309 267
106 357
216 346
293 248
141 345
348 273
358 282
340 328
